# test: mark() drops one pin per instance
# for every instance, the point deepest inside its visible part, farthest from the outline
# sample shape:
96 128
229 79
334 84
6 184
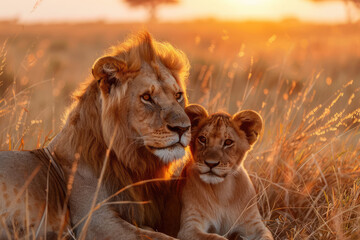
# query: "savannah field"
304 79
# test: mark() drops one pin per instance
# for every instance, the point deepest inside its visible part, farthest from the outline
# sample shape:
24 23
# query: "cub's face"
220 141
218 147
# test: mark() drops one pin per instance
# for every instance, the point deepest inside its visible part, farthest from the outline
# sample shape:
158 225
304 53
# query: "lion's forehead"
168 81
165 74
157 82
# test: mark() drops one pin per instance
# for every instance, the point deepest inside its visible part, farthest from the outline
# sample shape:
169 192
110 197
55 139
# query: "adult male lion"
130 115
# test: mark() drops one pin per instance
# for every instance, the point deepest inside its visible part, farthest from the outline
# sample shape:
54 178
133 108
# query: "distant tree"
151 5
348 4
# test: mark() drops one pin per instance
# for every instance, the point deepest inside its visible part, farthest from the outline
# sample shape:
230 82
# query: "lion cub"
219 200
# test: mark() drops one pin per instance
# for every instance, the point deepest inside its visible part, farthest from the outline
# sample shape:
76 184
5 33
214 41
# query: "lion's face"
157 114
220 141
147 107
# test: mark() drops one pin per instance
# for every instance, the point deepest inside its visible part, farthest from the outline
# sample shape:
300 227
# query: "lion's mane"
83 126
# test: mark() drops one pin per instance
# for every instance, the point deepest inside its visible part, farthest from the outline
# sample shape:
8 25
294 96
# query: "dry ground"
304 79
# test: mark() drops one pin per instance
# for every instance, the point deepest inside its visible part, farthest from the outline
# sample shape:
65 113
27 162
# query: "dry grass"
304 79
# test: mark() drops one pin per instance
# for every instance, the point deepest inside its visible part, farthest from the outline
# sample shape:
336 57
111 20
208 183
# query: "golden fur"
136 50
219 200
24 179
130 112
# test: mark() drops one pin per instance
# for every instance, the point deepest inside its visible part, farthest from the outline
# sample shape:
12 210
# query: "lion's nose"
212 163
179 130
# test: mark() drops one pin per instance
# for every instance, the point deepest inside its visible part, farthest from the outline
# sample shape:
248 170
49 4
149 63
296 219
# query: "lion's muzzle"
173 141
178 129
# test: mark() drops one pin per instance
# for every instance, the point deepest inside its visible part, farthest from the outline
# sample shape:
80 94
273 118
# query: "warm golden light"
249 2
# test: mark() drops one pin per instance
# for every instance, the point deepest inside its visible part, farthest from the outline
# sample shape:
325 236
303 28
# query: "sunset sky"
116 10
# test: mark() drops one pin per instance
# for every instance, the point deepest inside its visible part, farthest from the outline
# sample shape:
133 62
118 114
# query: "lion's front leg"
105 222
146 233
25 181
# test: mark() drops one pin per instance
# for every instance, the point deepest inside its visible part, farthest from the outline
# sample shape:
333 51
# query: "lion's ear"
196 113
106 70
250 122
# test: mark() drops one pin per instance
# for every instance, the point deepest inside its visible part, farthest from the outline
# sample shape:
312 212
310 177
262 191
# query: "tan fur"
109 119
219 200
26 177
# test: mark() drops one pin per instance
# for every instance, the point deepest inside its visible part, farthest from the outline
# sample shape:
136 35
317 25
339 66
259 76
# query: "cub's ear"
250 122
196 113
107 70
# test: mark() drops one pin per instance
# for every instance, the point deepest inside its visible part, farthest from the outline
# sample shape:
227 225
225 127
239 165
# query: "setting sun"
249 2
117 10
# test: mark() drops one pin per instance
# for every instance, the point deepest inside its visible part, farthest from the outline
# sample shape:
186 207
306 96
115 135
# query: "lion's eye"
228 142
146 97
179 96
202 139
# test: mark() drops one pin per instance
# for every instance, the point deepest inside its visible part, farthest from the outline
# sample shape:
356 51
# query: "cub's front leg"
251 228
249 225
193 227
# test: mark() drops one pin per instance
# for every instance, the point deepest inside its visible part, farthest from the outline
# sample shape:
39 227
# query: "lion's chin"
211 178
169 154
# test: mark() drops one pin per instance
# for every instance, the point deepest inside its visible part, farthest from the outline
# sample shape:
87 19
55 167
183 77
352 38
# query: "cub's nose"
178 129
212 163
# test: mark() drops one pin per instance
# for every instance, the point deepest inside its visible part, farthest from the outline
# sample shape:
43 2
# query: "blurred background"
297 62
243 53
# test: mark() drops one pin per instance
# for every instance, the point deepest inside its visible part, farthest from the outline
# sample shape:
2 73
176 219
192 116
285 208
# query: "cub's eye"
202 139
179 96
228 142
146 97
